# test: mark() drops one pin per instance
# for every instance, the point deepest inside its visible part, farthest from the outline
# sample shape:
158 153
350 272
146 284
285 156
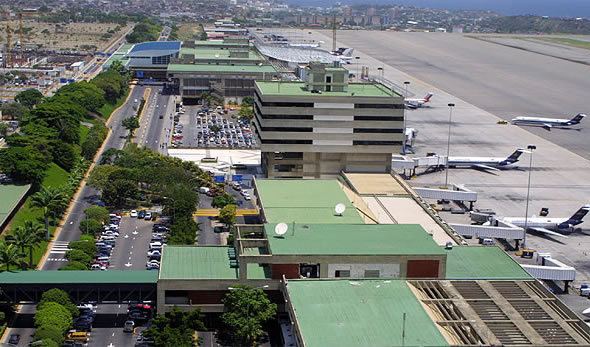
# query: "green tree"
97 213
49 332
64 155
90 226
88 247
14 111
29 98
9 255
53 314
130 123
100 177
61 297
175 328
24 164
246 309
248 101
74 266
246 112
222 200
3 129
183 231
28 236
79 256
119 191
227 215
94 140
52 201
86 94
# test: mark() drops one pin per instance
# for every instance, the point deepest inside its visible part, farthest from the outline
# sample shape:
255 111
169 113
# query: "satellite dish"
339 209
281 229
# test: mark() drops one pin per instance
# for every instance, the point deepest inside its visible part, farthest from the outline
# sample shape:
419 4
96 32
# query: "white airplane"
343 52
552 226
417 103
548 123
486 163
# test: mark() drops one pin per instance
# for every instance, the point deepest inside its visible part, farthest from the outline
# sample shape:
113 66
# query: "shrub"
53 314
49 332
74 266
97 213
90 226
88 247
61 297
78 255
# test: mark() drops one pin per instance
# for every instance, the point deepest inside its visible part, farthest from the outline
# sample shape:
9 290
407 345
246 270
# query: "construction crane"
334 33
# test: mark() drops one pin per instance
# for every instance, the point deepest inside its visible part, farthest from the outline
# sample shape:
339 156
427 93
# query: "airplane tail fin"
578 118
578 217
514 156
428 96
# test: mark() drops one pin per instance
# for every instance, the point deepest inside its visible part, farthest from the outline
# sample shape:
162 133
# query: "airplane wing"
549 232
547 126
484 167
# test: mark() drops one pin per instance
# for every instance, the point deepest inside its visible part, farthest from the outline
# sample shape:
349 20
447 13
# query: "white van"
487 242
204 190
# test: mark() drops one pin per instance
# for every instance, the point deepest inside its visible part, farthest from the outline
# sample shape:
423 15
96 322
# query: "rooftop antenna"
281 229
339 209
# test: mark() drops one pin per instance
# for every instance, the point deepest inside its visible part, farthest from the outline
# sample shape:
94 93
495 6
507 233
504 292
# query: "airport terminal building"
326 125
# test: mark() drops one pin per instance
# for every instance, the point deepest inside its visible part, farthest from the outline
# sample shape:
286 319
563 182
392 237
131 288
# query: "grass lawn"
56 177
107 109
83 133
567 41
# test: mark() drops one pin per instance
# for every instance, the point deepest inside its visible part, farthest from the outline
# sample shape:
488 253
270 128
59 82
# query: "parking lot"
201 127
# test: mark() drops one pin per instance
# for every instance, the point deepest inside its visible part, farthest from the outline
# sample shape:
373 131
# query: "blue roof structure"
156 48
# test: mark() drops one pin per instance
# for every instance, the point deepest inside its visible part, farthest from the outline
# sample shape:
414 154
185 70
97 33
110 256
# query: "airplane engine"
566 228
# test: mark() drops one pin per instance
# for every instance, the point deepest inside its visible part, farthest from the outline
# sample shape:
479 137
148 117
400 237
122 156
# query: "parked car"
134 213
148 215
141 214
97 267
129 326
14 339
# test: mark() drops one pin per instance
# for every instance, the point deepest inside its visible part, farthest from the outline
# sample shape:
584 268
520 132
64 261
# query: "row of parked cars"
157 242
216 131
106 242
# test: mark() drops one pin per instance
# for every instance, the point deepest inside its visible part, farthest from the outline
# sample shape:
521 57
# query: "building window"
342 273
377 143
394 106
380 118
287 168
281 116
288 155
372 273
377 131
287 142
290 129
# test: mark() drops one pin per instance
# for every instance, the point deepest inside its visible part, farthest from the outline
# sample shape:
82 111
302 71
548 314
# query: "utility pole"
531 149
451 105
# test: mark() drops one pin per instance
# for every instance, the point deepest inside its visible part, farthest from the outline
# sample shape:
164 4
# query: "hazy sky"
570 8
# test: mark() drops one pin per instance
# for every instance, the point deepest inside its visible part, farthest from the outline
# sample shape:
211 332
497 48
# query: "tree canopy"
25 164
175 328
246 309
29 98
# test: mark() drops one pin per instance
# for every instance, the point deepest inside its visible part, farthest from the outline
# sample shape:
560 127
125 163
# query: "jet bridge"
498 230
456 193
551 269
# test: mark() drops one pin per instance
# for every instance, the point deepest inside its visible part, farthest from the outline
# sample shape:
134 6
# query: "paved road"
502 80
70 230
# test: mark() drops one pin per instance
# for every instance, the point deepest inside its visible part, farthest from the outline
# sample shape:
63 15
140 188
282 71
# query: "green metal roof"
294 88
258 272
347 313
352 239
195 68
305 201
482 262
81 277
196 262
10 196
217 53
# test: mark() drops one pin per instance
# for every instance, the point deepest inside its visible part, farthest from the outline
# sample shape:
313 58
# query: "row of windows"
376 143
286 142
394 106
380 118
281 116
162 60
291 129
368 273
377 131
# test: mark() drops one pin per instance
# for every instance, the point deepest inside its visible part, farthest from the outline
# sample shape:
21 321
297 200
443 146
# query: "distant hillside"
554 8
535 24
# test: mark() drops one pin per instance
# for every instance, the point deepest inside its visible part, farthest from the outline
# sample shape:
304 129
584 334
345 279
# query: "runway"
505 81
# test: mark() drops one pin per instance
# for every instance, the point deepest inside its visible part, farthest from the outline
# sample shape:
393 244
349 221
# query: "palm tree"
28 236
9 254
52 201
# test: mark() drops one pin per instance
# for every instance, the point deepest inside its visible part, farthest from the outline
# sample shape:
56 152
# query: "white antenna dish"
281 229
339 209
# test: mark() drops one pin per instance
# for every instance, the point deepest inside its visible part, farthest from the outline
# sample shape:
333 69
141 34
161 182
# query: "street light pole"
406 83
451 105
531 149
357 68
